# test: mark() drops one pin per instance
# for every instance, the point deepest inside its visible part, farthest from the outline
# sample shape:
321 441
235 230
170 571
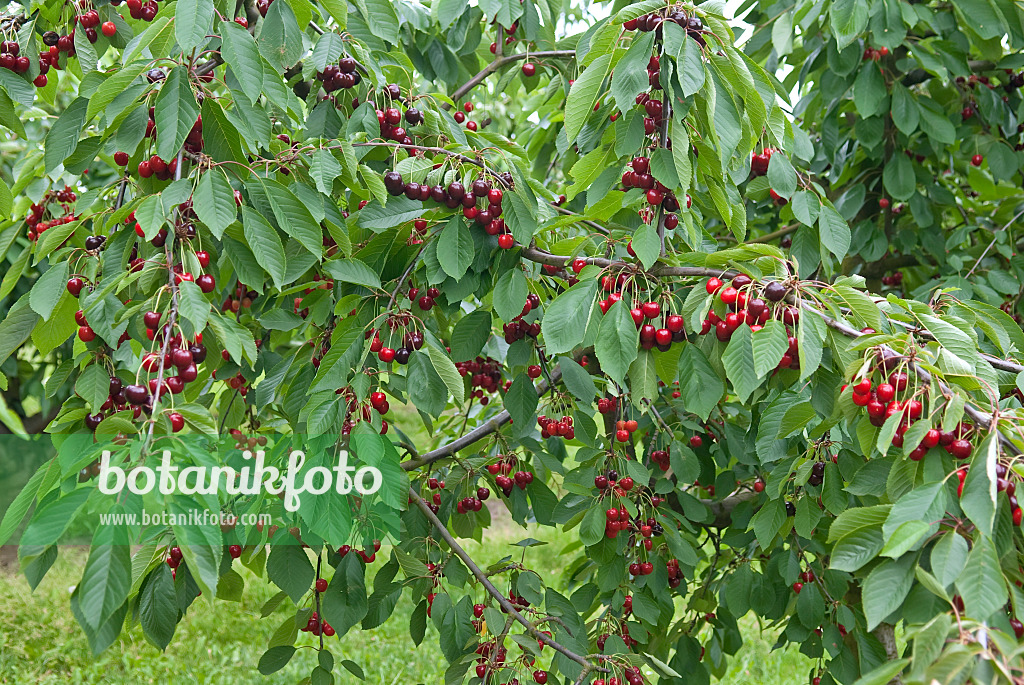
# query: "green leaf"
806 207
767 522
782 175
904 539
521 402
738 360
981 584
352 270
382 20
848 19
883 674
241 54
324 168
689 63
275 658
8 117
345 602
935 123
898 178
176 112
834 231
577 379
265 244
905 114
647 245
62 138
886 587
107 578
158 606
520 216
294 218
470 335
455 248
631 72
617 341
567 317
509 296
280 39
193 19
289 568
701 386
445 368
643 378
580 102
214 201
855 549
980 494
47 290
768 345
193 305
869 90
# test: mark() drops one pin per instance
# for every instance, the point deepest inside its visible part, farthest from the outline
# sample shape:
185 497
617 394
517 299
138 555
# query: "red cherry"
529 69
321 585
386 355
177 421
976 160
713 285
506 241
204 258
797 587
696 441
108 28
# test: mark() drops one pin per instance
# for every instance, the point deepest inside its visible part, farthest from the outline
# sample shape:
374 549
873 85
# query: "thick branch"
920 75
499 62
474 435
493 591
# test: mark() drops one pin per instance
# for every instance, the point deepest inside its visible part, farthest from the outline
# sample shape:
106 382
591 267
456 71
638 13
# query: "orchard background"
721 302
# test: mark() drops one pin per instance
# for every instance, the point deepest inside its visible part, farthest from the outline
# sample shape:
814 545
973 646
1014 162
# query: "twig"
474 435
498 63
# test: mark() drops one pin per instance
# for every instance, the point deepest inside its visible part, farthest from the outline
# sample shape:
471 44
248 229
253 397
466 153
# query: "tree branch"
493 591
498 63
474 435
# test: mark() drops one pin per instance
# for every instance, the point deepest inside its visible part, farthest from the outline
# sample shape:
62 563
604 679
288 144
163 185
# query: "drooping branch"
499 62
493 591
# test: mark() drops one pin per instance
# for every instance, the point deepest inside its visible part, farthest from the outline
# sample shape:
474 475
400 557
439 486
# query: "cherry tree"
732 303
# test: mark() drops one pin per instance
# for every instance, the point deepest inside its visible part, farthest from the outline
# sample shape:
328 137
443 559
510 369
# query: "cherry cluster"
425 301
411 341
314 625
639 176
562 427
340 75
240 298
510 32
484 376
137 9
754 311
608 405
156 166
454 195
251 442
263 6
366 555
11 59
653 21
460 117
874 55
630 642
518 328
894 279
625 428
391 127
661 457
38 225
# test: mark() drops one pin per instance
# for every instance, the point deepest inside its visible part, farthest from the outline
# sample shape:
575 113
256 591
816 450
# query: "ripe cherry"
976 160
506 241
177 421
235 551
713 285
75 285
108 28
206 283
529 69
696 441
321 585
386 355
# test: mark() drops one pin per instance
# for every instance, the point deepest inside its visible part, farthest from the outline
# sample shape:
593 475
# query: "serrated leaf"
445 368
241 54
577 380
47 290
193 305
738 360
265 244
617 341
176 111
834 232
886 587
580 102
509 295
455 248
192 21
214 201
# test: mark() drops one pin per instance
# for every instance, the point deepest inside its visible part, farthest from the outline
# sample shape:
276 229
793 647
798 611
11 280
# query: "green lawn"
221 643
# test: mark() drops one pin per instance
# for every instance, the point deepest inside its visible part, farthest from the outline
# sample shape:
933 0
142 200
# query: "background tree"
757 304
